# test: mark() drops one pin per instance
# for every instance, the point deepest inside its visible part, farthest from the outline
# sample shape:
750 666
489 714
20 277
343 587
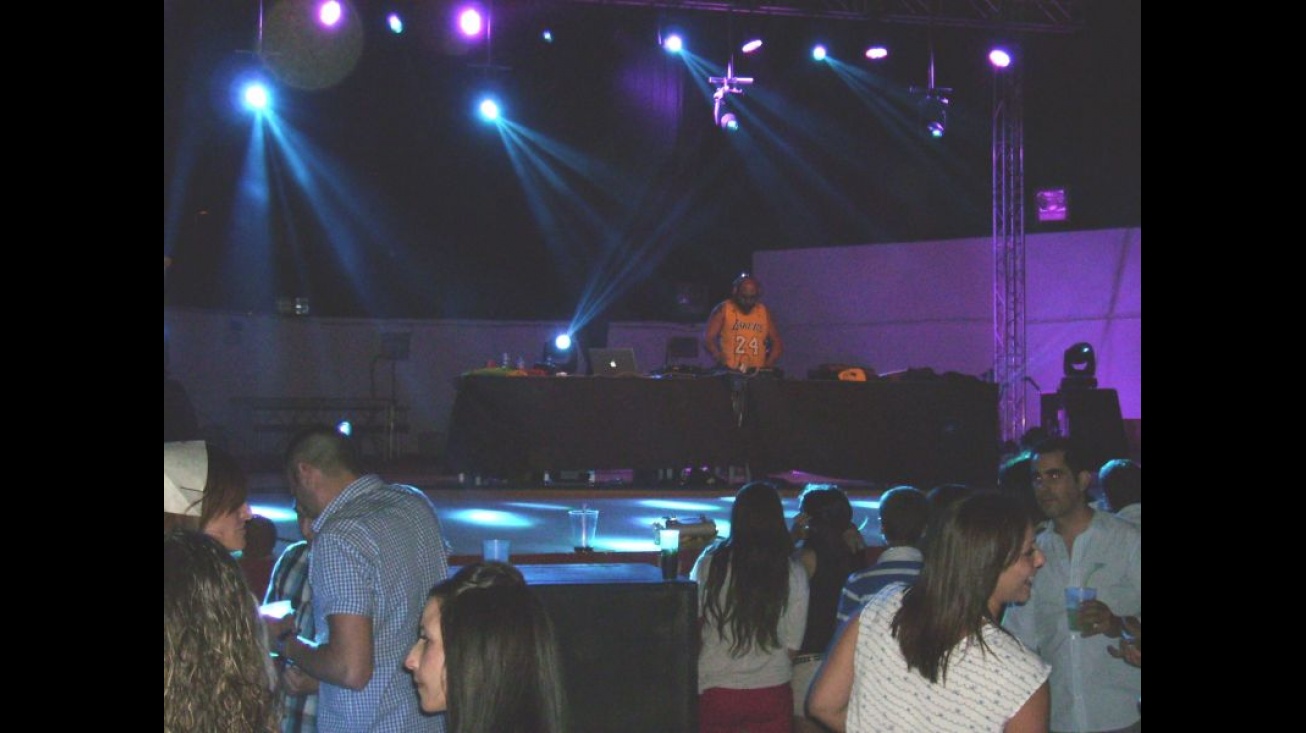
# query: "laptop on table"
612 362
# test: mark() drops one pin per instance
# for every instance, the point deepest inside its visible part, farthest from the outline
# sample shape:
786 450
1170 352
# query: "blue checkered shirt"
378 551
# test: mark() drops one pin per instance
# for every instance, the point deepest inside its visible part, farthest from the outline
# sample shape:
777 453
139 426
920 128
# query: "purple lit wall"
930 304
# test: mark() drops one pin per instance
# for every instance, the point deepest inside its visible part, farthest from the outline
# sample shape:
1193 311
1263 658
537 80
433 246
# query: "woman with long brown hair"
933 655
752 612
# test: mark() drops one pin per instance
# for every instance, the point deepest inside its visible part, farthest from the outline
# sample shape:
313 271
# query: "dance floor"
535 520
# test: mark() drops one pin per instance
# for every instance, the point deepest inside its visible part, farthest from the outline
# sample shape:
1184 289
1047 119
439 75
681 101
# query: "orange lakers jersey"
743 337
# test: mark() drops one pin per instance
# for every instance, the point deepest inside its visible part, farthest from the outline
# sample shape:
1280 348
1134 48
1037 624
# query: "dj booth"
918 432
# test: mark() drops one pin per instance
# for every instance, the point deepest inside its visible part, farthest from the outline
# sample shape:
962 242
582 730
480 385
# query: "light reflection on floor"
535 520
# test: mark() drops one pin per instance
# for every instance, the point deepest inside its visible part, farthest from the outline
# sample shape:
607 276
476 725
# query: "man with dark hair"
904 515
741 335
377 550
1091 691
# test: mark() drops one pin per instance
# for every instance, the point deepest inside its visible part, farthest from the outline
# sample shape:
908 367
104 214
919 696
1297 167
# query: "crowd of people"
961 623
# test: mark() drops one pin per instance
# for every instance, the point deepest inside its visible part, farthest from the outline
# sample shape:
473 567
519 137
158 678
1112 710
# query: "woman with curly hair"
752 612
933 655
216 669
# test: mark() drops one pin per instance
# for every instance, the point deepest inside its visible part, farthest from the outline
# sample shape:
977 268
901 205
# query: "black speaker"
1090 417
629 654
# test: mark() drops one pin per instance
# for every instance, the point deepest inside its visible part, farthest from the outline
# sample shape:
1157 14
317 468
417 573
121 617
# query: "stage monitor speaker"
1090 417
629 654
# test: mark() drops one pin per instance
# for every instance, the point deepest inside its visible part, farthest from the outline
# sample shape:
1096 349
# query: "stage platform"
534 516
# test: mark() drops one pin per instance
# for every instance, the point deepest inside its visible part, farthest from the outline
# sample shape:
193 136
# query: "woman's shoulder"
1013 653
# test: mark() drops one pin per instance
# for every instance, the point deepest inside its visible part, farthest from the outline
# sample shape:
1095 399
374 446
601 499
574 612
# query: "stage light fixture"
934 113
673 43
561 354
727 85
471 22
489 110
1000 58
751 46
934 103
329 13
876 52
256 97
819 52
394 23
1079 365
547 35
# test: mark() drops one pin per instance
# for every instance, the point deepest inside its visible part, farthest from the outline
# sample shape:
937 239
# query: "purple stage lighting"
470 22
395 23
875 53
673 43
329 13
752 45
1000 58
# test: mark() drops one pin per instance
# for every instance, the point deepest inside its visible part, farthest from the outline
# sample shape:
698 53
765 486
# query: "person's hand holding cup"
1095 617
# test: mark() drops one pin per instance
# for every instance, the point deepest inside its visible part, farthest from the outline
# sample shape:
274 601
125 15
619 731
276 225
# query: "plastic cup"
495 550
1075 597
669 556
584 523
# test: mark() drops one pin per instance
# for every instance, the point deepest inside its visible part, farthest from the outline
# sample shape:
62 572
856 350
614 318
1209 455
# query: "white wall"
220 357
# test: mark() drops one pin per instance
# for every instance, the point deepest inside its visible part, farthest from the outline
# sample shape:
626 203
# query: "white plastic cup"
584 524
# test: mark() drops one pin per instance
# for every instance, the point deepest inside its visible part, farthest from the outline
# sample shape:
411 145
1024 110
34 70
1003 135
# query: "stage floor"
534 518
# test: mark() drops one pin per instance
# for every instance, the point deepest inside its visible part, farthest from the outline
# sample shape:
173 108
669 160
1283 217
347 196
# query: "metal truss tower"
1009 251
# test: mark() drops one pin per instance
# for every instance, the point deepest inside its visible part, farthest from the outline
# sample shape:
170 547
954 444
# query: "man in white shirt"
1091 690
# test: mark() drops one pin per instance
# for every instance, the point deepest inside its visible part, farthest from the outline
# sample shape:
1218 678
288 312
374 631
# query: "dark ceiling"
379 195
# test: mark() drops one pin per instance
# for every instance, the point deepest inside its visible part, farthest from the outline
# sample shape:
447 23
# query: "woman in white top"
752 611
932 655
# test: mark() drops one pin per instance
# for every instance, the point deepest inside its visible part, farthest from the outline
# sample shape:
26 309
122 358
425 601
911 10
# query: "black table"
629 644
506 426
917 432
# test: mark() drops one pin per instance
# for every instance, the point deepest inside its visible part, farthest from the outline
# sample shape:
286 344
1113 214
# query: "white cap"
185 471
